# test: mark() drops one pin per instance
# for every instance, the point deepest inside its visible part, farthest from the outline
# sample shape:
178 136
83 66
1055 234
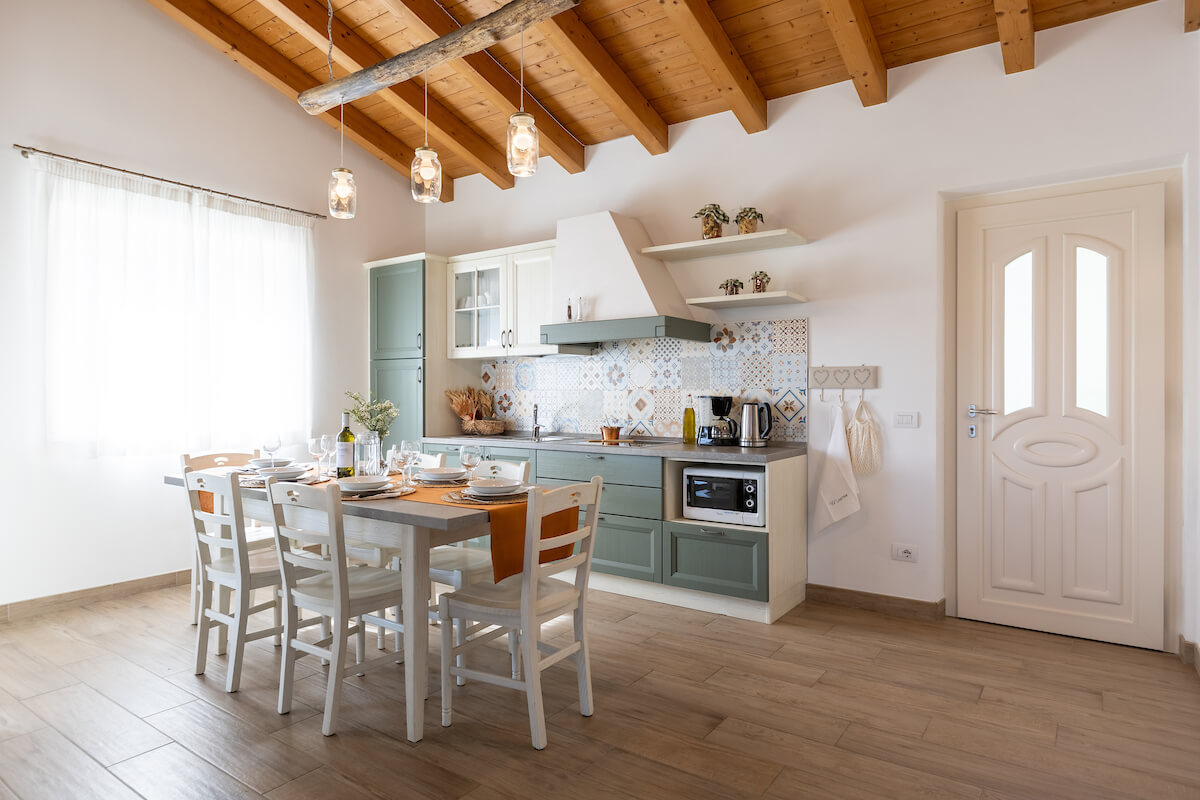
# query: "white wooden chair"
389 556
349 595
520 604
227 562
256 536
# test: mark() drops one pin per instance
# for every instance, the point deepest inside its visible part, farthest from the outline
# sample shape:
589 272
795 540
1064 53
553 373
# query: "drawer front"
624 470
627 501
628 546
710 558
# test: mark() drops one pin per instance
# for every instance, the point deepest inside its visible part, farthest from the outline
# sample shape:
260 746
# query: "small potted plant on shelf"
711 217
759 281
731 285
747 220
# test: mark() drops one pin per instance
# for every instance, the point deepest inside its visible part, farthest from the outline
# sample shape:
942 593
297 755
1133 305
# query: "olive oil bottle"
689 422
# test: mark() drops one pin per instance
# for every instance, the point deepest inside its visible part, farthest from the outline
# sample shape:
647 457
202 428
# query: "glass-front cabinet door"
479 317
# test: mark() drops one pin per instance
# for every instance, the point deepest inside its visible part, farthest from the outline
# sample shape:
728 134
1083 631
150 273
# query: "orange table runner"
508 530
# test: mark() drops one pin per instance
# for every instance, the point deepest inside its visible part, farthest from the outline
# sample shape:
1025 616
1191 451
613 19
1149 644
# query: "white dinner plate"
441 473
471 491
259 463
282 473
363 483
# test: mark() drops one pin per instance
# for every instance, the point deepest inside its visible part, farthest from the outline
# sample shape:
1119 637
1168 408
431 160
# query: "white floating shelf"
748 300
726 245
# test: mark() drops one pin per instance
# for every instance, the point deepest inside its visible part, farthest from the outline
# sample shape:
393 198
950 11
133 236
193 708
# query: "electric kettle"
756 424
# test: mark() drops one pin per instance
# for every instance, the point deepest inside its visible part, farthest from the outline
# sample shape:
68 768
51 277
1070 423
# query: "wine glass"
316 448
270 445
329 444
408 475
470 456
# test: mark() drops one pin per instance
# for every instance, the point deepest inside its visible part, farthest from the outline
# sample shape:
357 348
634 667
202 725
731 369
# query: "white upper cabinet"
500 300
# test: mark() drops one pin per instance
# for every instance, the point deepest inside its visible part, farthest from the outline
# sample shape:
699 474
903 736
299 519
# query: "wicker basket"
483 427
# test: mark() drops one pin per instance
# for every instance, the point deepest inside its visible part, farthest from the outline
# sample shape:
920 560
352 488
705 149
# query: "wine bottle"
345 449
689 422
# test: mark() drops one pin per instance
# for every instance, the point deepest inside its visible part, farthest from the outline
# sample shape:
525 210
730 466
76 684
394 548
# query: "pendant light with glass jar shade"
343 193
426 169
522 133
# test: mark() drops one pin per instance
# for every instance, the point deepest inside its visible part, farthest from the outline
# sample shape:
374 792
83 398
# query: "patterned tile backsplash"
644 383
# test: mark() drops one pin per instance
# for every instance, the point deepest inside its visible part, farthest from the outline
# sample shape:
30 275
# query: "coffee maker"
713 425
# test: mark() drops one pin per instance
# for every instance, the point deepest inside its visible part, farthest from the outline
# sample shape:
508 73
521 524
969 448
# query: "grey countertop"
658 448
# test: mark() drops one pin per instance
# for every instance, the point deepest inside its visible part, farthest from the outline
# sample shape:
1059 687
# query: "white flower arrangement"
374 415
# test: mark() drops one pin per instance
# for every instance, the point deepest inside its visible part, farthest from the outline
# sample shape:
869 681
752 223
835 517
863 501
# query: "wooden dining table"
413 528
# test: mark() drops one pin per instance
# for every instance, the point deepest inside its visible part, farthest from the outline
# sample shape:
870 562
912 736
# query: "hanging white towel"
837 491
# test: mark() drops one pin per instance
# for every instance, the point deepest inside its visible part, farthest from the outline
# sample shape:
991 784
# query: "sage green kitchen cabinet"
628 546
580 467
716 559
398 311
517 455
628 501
401 381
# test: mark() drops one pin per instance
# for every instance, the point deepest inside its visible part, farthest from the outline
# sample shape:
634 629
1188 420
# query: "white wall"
125 85
1108 96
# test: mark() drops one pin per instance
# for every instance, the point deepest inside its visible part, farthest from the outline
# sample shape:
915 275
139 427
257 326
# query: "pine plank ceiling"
609 68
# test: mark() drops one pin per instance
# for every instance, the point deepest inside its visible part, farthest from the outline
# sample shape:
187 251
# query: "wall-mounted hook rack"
848 377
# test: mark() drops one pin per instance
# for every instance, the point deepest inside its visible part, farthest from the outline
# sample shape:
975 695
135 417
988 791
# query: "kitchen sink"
539 439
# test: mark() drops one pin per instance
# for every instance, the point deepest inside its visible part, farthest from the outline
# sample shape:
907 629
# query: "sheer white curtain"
171 320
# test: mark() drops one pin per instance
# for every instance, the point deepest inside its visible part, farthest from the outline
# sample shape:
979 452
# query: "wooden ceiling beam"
580 48
706 38
491 79
851 28
226 35
1191 15
1014 20
352 52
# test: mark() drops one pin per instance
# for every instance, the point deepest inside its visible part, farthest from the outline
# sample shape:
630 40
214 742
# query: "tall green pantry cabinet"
407 323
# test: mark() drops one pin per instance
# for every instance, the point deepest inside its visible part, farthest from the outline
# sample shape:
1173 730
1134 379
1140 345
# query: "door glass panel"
1091 330
1018 333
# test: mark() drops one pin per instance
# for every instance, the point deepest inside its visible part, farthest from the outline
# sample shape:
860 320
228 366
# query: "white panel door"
1060 472
530 296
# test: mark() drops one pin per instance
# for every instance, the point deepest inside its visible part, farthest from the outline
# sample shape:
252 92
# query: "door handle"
972 411
420 375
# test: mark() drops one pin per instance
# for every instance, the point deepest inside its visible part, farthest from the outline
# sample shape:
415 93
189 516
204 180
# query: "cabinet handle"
504 338
713 531
598 458
420 376
510 337
420 336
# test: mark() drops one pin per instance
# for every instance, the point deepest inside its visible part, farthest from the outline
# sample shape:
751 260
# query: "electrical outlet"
906 419
904 552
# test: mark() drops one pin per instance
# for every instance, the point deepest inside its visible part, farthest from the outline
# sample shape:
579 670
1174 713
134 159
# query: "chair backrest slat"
580 496
427 460
226 491
517 470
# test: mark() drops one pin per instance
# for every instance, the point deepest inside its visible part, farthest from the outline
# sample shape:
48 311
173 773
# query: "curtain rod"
25 151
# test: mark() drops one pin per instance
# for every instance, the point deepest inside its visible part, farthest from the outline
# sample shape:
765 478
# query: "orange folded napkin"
508 530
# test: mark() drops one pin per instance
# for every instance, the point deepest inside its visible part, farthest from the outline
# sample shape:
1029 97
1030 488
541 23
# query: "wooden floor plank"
97 725
43 765
138 690
322 784
240 749
24 675
16 719
175 773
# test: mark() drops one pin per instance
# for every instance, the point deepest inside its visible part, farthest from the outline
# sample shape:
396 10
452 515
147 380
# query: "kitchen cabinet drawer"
628 546
625 470
714 559
628 501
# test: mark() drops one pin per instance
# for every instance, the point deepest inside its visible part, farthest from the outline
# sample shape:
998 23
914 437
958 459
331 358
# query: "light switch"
906 419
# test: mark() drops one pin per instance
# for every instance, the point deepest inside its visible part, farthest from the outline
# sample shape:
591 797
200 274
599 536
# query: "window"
174 321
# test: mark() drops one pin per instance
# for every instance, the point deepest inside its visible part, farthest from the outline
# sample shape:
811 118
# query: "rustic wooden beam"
225 34
1014 19
851 29
431 21
706 38
450 133
582 50
503 23
1191 16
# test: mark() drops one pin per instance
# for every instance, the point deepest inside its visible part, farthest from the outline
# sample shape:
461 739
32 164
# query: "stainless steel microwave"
725 494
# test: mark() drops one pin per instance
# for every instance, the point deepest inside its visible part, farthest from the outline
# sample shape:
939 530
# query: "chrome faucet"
537 429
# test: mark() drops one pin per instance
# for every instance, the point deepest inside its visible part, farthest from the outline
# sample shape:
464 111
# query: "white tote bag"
866 443
837 492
